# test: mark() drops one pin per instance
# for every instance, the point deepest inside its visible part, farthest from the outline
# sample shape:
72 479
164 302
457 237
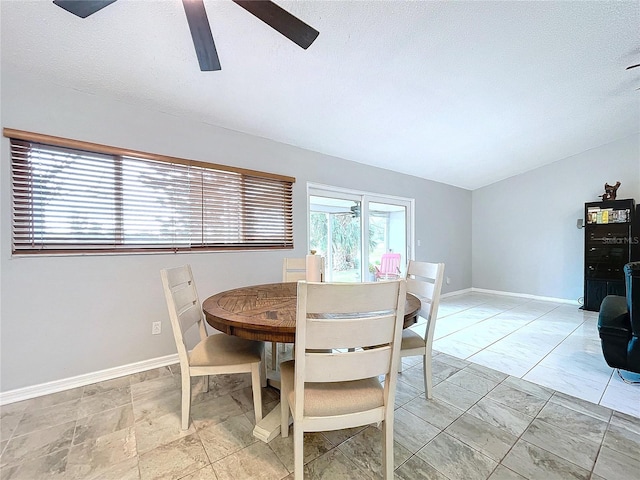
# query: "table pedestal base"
269 427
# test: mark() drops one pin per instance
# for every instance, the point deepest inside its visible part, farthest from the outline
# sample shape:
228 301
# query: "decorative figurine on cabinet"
609 191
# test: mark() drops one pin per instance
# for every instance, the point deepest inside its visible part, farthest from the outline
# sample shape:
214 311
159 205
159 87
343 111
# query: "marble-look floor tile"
405 393
476 336
161 404
623 435
365 450
150 375
521 401
411 431
38 444
205 473
333 465
442 369
256 462
215 410
582 406
52 399
622 397
566 382
99 402
529 387
492 441
49 467
220 385
455 395
580 367
105 386
576 423
153 389
613 465
94 426
413 377
97 456
571 447
315 445
517 345
501 416
227 437
173 460
39 419
626 421
125 470
486 372
455 347
452 361
417 469
503 473
157 431
510 364
469 464
473 381
10 416
336 437
533 462
438 413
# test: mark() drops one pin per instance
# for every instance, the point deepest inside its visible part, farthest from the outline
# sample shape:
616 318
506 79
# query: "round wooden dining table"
268 312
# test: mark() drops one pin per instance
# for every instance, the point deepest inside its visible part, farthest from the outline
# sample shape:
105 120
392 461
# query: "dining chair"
389 267
293 269
329 389
214 354
424 280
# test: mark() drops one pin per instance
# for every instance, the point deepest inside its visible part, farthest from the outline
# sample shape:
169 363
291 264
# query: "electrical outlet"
448 280
156 328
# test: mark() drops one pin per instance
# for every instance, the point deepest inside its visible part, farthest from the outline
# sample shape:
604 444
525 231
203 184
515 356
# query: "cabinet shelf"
609 245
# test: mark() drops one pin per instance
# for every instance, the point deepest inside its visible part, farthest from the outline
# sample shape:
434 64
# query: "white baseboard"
525 295
33 391
457 292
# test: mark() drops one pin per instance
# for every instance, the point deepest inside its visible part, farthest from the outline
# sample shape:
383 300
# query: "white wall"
67 316
525 238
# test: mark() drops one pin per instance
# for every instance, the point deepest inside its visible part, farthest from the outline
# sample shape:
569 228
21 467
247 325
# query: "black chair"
619 324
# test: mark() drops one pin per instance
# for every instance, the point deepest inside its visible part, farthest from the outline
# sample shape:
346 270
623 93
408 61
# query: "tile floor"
482 423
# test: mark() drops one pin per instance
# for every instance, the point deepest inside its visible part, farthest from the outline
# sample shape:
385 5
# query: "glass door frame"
316 189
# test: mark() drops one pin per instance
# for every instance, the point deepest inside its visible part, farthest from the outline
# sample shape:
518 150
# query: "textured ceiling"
466 93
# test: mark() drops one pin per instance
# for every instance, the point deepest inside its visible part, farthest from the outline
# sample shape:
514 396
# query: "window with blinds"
72 200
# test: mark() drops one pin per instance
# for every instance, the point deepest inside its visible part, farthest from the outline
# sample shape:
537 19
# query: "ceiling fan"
276 17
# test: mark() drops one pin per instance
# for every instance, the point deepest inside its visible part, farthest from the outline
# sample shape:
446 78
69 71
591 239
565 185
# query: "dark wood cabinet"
609 245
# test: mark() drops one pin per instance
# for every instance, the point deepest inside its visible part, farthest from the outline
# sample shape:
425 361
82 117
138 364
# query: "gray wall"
525 238
67 316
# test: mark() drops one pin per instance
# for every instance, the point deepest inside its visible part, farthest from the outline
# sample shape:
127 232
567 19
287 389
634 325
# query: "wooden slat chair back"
294 269
424 280
212 355
347 336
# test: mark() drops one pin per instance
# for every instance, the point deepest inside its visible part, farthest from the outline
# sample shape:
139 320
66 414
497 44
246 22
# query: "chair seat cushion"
222 349
335 398
411 339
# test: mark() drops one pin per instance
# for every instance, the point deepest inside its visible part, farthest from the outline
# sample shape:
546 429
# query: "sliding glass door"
354 230
387 234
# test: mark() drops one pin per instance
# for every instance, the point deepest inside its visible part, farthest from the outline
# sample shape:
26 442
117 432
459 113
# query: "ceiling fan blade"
279 19
201 34
632 66
83 8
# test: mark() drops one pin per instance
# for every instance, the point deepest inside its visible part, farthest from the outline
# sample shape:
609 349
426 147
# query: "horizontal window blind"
72 200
